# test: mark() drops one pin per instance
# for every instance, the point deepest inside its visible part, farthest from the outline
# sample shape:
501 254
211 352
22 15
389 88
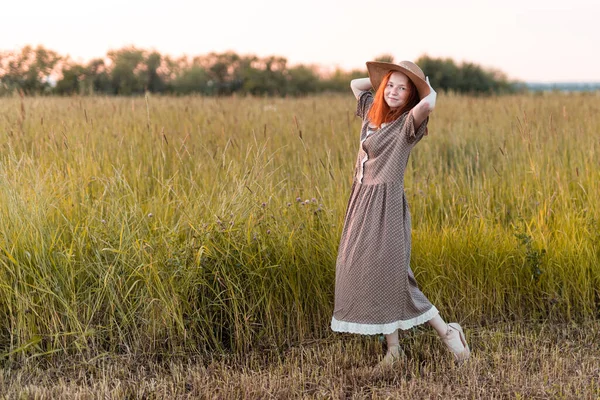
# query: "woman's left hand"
425 106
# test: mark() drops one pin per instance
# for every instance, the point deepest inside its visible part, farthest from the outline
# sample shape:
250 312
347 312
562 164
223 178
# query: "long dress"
375 288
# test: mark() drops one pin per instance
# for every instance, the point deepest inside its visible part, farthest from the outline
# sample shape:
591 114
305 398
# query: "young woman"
375 288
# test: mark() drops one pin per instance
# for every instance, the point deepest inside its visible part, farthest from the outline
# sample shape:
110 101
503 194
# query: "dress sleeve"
364 102
409 132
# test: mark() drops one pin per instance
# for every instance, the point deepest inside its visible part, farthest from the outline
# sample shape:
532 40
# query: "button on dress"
375 288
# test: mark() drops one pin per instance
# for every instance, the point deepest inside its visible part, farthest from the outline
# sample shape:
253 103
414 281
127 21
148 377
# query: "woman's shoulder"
364 95
363 103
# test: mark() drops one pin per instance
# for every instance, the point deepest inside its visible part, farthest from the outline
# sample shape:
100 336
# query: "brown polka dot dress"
375 288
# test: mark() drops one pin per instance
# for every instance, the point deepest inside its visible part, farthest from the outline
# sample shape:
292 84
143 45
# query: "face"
397 90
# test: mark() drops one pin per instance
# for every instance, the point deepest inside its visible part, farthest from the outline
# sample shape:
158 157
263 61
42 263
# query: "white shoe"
456 342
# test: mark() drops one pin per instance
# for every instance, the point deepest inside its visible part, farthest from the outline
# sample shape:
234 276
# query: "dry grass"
509 361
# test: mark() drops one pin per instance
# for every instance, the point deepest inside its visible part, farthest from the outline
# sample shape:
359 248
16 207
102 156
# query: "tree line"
134 71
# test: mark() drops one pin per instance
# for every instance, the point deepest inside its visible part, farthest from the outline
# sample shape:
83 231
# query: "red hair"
380 112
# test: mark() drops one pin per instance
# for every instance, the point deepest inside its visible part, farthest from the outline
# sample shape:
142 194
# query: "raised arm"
360 85
425 107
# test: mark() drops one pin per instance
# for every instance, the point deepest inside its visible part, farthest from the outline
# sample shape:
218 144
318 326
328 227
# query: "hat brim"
377 71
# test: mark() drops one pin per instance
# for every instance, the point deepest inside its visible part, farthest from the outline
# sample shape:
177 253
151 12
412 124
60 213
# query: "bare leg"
439 325
394 352
392 339
453 337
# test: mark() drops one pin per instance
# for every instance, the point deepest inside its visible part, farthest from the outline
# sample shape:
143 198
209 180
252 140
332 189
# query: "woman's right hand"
360 85
430 98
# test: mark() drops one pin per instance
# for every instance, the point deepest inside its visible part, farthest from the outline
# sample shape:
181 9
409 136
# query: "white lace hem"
374 329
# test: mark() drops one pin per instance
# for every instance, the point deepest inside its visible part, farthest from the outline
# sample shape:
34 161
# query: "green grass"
174 226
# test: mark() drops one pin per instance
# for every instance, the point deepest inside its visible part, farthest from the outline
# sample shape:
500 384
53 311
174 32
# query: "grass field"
187 227
520 361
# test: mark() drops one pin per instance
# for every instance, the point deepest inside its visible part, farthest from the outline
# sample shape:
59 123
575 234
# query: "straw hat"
377 70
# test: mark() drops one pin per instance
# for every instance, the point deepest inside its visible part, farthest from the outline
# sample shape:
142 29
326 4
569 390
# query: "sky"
528 40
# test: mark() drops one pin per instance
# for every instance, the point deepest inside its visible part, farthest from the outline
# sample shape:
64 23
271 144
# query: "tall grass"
183 225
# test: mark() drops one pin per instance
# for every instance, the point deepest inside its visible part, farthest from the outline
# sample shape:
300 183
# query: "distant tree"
73 79
275 69
244 72
446 75
127 63
151 77
191 80
267 76
302 80
442 73
221 69
130 71
339 81
28 70
255 82
385 58
473 79
98 79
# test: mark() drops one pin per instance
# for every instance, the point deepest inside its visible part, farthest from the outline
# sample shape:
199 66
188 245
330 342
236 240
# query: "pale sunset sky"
529 40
